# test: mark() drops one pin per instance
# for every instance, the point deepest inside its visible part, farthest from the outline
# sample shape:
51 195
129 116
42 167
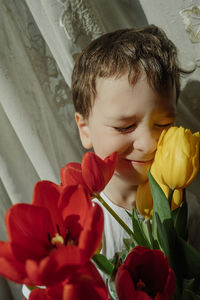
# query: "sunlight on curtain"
38 133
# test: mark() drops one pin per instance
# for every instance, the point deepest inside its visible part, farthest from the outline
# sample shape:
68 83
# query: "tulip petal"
55 267
124 285
139 295
56 292
92 172
14 271
40 294
133 260
160 262
11 268
86 284
46 194
70 255
85 290
92 231
91 270
110 164
71 174
144 200
97 172
44 272
24 231
75 201
170 285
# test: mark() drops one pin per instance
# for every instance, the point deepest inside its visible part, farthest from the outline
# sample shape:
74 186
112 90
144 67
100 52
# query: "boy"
125 86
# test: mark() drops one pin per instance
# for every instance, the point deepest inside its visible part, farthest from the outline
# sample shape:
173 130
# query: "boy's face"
127 119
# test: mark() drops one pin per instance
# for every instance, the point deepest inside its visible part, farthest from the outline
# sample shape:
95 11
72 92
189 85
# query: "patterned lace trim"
191 20
79 19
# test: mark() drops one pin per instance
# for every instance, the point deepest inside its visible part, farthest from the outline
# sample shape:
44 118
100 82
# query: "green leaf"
139 234
160 203
103 263
189 259
193 295
162 224
116 261
179 217
129 244
146 231
196 288
167 244
188 284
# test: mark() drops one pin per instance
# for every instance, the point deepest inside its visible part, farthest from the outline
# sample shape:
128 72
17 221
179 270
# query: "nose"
145 141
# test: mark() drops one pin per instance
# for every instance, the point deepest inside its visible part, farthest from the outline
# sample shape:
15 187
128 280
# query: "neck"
121 193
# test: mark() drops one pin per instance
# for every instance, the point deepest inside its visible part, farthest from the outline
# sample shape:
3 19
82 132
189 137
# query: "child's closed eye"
125 129
163 125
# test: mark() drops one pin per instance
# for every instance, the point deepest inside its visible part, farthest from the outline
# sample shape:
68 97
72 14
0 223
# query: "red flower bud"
145 275
93 172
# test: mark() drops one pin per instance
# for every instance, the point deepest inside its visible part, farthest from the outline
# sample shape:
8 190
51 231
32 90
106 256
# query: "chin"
135 174
134 177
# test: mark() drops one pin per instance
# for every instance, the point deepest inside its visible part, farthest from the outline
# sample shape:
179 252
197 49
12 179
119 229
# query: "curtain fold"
38 134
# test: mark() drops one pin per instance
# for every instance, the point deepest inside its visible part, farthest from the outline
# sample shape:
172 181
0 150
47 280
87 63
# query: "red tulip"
49 239
85 284
93 172
145 275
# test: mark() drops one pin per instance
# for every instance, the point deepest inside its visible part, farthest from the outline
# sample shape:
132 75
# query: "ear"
84 131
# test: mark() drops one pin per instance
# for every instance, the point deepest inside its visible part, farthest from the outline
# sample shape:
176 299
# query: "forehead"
117 98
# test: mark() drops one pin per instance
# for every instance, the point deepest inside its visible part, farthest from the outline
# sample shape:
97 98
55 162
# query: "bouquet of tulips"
53 243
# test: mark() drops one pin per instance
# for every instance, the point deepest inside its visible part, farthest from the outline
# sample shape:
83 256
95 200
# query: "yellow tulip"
144 200
177 196
176 162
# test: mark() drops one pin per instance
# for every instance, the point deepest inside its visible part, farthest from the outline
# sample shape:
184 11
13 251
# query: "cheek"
105 144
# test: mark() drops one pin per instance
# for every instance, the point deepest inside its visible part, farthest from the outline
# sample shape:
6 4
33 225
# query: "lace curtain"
38 43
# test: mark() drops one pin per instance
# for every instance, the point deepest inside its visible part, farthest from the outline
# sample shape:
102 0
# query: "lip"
141 162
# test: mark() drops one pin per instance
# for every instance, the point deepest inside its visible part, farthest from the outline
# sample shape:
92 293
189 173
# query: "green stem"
113 213
171 191
149 228
32 287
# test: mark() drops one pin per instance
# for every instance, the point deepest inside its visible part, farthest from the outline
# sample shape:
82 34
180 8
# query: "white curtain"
39 40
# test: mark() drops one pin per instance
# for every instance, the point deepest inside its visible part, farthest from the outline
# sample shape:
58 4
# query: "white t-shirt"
113 234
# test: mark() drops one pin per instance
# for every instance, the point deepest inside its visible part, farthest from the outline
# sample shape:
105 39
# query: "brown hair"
126 50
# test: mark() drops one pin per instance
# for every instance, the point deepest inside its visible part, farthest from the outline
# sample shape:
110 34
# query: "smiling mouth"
140 162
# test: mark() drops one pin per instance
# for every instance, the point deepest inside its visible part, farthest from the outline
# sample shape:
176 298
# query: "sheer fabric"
38 43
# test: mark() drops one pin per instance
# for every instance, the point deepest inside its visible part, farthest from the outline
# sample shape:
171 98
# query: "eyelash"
127 129
163 125
124 129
